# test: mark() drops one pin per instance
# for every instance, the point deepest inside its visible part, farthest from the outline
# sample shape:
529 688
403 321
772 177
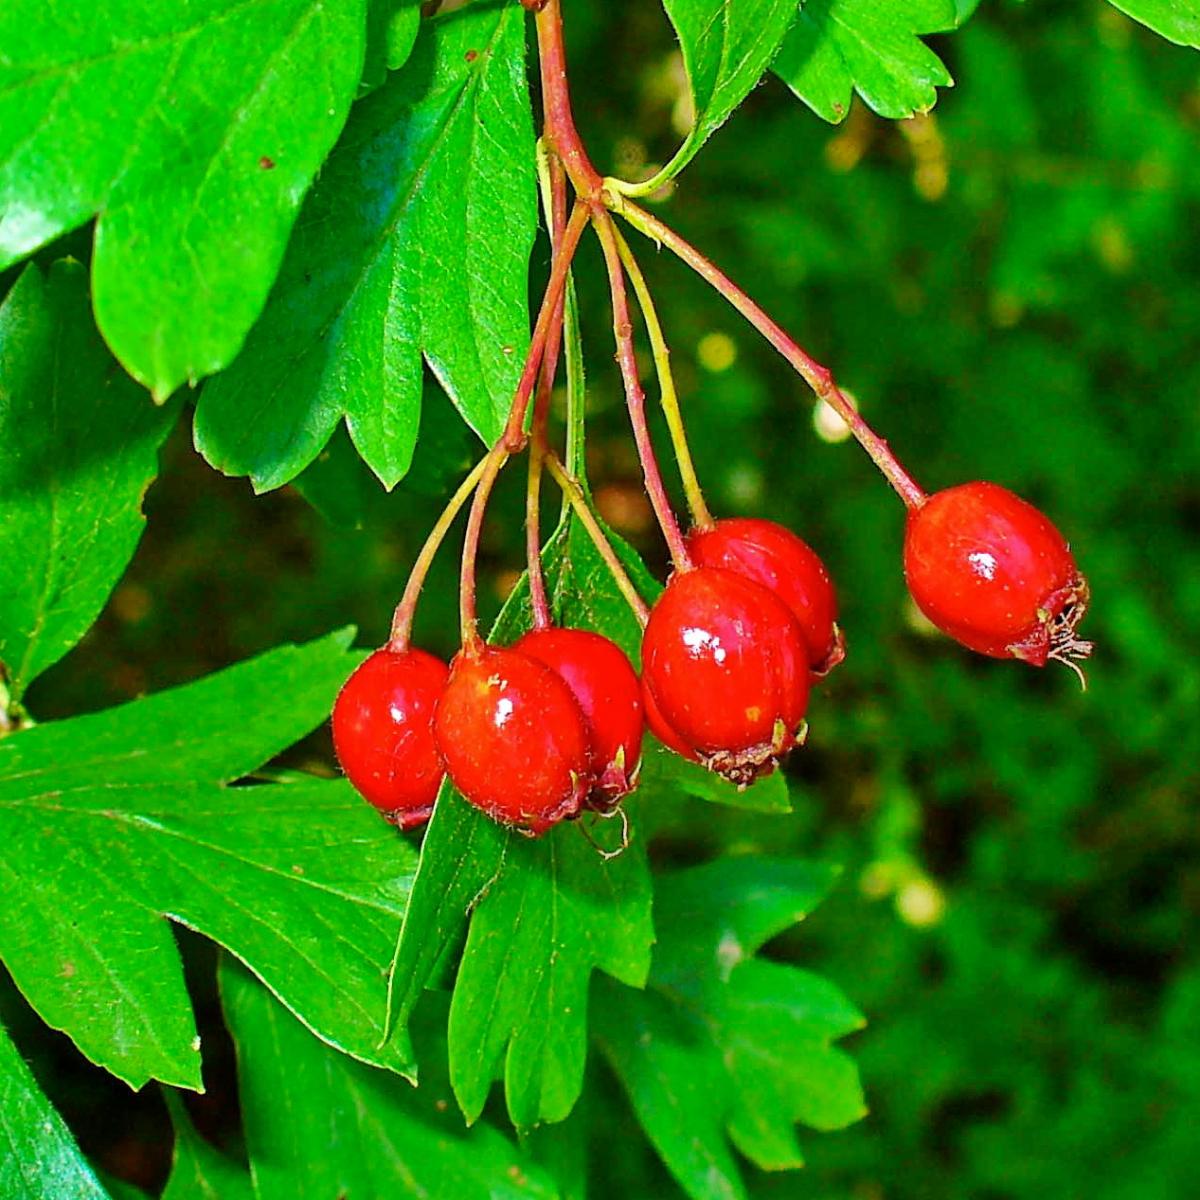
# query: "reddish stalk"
556 203
702 518
635 397
402 619
539 601
560 132
513 437
819 378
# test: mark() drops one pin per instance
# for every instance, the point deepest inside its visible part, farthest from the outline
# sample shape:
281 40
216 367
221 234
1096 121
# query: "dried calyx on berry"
786 565
609 694
513 738
995 574
383 732
725 673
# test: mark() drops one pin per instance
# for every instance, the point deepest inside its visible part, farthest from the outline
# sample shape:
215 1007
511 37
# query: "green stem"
576 385
669 398
573 492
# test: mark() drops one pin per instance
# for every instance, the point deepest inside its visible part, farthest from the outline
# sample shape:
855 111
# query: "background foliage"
1007 285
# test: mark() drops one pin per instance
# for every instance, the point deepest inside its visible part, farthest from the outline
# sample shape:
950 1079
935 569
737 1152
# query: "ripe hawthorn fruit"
383 732
994 573
725 673
609 694
513 739
785 564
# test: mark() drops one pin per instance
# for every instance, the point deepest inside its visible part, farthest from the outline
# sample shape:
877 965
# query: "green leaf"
1176 20
553 914
725 1045
543 913
110 822
727 46
193 130
392 27
872 47
319 1125
38 1157
80 446
415 241
199 1171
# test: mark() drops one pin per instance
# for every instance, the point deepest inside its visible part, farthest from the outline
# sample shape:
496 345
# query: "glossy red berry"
513 738
994 573
786 565
383 732
725 673
607 690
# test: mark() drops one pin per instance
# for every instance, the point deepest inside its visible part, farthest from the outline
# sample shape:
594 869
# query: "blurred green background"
1010 288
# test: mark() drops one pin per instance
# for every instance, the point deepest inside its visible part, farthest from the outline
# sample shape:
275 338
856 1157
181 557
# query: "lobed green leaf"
80 447
872 47
414 244
110 822
193 130
723 1046
727 46
319 1125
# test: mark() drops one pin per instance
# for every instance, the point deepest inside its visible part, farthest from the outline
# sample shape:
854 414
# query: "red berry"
786 565
513 738
607 690
383 732
724 673
994 573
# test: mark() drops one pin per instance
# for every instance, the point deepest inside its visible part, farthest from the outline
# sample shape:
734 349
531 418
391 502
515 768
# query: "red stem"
402 618
560 132
539 602
819 378
513 436
635 397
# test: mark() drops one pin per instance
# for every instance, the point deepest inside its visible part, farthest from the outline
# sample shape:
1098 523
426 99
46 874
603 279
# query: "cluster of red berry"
552 726
542 730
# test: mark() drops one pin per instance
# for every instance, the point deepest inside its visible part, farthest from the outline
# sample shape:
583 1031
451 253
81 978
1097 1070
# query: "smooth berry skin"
609 693
785 564
383 732
725 673
994 573
514 741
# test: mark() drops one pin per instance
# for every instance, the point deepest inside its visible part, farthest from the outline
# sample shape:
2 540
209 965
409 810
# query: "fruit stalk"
819 378
402 619
514 430
669 398
635 397
555 203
